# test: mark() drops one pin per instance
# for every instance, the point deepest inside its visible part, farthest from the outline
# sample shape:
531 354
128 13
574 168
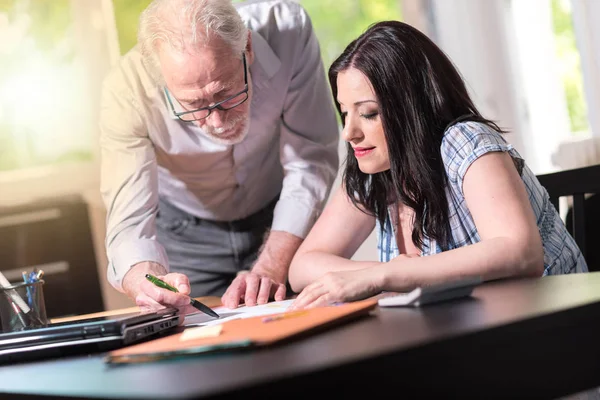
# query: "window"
570 66
548 61
338 22
44 118
522 65
53 57
127 14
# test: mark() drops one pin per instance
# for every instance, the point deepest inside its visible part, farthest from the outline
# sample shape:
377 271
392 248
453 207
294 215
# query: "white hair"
187 25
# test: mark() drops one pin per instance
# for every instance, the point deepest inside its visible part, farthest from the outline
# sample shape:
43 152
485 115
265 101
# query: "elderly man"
219 147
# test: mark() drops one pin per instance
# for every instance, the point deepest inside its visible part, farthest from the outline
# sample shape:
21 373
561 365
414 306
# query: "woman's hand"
342 286
339 286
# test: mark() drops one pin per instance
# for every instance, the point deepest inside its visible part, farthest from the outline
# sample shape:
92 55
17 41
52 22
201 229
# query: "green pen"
162 284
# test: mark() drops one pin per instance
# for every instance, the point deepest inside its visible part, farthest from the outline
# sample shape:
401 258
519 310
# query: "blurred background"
531 65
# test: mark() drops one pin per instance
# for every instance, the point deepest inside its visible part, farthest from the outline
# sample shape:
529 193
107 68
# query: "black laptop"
87 335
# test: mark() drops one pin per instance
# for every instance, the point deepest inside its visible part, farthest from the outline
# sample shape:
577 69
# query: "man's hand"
253 288
149 296
268 276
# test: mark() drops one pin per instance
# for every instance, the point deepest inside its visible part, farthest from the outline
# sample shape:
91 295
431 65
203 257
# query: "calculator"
432 294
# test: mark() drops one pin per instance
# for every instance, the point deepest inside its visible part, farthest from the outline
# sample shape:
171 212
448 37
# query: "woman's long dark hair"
420 93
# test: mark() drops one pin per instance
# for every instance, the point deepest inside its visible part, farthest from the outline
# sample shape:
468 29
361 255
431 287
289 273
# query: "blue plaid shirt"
462 144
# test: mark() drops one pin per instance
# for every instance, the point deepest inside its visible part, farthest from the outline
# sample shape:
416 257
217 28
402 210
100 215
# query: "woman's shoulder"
472 130
464 142
464 137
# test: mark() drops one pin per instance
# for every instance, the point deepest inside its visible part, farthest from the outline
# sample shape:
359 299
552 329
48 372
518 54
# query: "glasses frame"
218 105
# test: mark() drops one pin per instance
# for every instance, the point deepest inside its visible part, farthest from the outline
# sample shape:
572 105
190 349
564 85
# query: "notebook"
86 335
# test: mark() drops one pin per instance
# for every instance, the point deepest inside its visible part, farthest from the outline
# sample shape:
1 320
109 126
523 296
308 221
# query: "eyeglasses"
204 112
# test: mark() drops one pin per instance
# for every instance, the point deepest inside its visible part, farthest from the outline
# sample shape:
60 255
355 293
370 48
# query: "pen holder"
22 306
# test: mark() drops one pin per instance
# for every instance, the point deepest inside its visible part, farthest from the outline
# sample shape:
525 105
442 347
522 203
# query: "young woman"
449 197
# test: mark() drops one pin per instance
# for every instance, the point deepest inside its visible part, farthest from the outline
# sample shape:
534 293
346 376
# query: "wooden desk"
533 338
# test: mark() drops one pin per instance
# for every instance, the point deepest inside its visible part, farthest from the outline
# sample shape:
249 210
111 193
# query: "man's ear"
249 50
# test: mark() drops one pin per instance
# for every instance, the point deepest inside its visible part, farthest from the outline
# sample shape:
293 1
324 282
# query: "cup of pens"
22 304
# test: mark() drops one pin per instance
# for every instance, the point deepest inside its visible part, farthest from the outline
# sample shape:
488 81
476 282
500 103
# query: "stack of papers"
228 314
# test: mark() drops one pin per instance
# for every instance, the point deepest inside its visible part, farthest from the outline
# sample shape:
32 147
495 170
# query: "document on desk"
228 314
242 328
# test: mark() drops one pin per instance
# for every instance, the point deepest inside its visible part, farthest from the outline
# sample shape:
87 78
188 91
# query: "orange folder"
246 333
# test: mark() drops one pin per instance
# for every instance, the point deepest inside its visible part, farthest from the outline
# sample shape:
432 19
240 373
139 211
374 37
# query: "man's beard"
240 124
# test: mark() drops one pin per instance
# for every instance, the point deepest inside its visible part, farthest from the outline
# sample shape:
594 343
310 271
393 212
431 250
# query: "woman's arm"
510 240
332 241
510 243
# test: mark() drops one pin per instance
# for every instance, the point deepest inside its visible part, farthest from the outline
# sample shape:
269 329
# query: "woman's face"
362 123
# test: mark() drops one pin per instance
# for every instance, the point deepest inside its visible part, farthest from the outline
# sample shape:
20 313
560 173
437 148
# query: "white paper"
227 314
201 332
